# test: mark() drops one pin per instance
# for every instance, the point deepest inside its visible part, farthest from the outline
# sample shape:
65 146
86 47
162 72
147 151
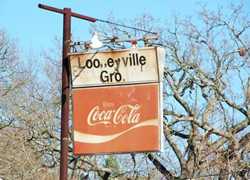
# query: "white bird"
95 42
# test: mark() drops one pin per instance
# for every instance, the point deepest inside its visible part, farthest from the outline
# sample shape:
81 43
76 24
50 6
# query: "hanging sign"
117 101
116 67
117 119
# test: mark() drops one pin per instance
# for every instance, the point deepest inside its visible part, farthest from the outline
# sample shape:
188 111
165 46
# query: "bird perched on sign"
95 42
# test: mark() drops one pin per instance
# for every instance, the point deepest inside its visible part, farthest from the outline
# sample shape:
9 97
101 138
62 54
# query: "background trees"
207 81
206 105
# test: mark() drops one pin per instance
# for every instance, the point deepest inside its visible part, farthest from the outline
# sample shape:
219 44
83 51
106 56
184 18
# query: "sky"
35 29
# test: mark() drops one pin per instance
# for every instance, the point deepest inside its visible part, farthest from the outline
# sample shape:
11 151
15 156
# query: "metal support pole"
67 13
65 94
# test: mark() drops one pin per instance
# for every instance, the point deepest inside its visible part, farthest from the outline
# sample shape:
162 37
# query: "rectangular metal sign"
117 119
126 66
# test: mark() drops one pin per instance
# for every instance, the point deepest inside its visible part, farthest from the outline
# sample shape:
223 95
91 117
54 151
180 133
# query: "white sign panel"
127 66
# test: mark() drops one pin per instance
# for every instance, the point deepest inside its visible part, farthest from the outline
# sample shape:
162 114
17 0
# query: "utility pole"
67 14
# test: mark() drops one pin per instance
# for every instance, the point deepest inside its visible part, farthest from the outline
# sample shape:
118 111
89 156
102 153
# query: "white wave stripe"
95 139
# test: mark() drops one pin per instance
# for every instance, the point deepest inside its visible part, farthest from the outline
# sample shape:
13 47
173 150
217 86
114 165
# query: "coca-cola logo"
124 114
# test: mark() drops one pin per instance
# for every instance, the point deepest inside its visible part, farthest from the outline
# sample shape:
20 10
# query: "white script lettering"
125 114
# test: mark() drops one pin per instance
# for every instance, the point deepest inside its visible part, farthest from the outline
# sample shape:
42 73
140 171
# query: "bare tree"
8 61
206 85
206 95
206 105
18 160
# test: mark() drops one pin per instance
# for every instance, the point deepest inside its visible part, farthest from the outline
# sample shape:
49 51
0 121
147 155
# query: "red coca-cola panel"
116 119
